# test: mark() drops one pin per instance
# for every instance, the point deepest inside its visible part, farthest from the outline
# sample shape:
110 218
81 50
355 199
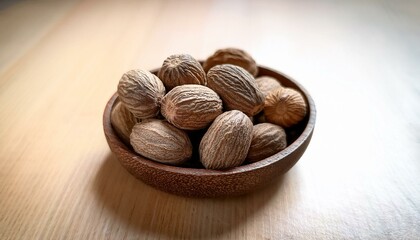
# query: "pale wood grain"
357 180
24 23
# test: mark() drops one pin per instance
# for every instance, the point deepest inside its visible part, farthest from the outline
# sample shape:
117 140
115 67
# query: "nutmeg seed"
161 142
141 92
237 88
122 121
233 56
191 106
181 69
267 84
285 107
226 142
267 140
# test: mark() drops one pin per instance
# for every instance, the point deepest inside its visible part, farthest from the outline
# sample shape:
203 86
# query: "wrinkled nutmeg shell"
237 88
122 121
141 92
285 107
191 106
267 84
160 141
226 142
233 56
267 140
181 69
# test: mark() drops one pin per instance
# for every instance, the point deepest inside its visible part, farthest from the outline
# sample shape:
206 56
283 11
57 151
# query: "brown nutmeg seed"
267 84
122 121
226 142
191 107
181 69
141 92
232 56
237 88
267 139
285 107
161 142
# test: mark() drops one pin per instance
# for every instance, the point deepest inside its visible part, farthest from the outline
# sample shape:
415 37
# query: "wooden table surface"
60 61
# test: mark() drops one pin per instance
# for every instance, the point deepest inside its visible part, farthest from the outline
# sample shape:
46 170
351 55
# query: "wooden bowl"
199 182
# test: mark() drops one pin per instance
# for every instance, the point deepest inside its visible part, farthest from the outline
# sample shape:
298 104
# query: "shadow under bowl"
199 182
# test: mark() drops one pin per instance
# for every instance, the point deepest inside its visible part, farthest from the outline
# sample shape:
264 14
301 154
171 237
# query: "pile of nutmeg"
219 101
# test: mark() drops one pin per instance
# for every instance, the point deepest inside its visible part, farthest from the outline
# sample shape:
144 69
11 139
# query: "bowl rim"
306 133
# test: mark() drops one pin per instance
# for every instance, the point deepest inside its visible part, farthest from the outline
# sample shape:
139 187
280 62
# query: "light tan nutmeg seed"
267 140
285 107
267 84
141 92
226 142
237 88
122 121
233 56
191 106
181 69
161 142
